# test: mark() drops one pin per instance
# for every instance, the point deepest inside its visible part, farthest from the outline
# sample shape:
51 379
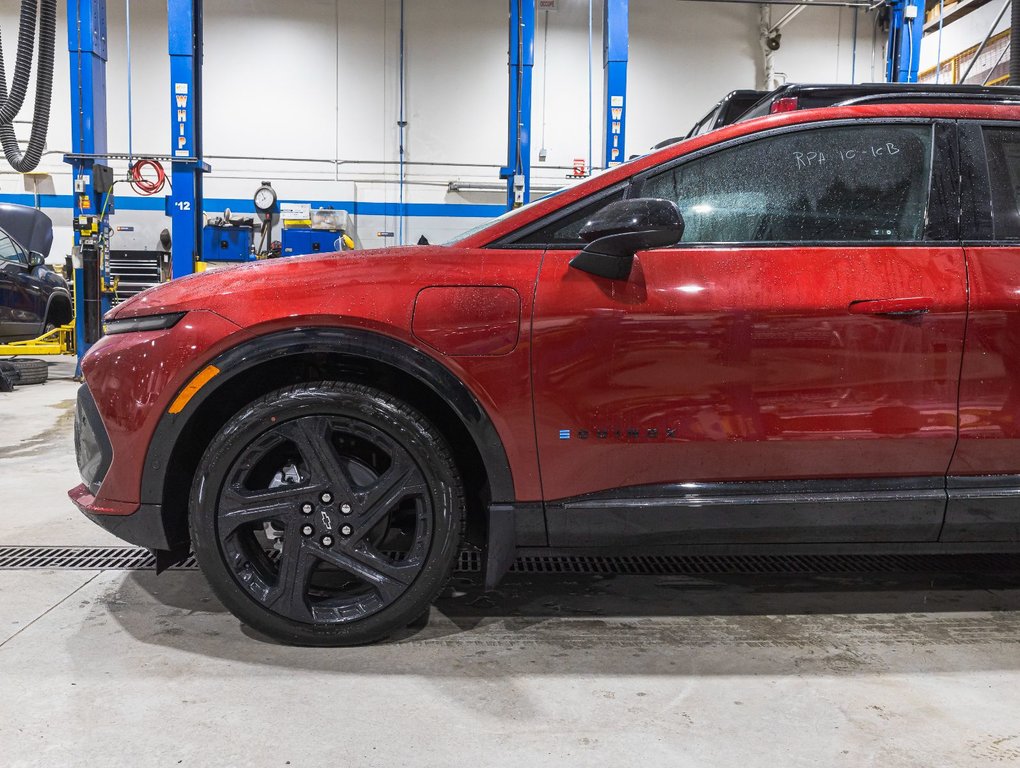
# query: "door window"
1002 150
565 230
847 183
10 250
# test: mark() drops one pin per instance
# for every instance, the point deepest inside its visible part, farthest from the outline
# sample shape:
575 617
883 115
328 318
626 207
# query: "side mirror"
35 259
623 228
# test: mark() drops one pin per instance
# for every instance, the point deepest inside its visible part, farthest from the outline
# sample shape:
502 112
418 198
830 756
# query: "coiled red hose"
143 185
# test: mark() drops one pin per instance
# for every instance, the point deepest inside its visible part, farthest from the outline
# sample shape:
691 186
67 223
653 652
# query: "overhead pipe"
998 61
591 97
1014 44
765 24
127 29
938 49
853 52
981 48
788 17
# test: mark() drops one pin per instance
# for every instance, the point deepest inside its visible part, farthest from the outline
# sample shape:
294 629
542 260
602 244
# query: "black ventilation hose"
1014 44
23 163
11 105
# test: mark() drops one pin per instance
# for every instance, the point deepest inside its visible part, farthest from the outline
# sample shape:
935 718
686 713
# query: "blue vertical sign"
184 204
614 62
521 61
86 45
906 27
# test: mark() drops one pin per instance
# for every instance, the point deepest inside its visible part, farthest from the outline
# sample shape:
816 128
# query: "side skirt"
923 515
984 508
776 512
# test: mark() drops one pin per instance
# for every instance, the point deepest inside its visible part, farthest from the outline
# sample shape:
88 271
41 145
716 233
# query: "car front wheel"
327 514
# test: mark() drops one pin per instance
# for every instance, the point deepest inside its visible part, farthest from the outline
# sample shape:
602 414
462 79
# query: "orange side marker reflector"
201 379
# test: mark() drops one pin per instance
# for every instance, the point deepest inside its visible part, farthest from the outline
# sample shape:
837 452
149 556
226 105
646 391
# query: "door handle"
904 307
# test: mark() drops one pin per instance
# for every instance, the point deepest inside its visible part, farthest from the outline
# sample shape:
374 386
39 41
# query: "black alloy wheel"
327 514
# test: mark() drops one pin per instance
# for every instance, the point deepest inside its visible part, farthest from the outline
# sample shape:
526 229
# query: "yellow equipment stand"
59 341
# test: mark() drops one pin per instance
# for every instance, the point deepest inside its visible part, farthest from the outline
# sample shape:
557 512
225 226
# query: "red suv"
797 332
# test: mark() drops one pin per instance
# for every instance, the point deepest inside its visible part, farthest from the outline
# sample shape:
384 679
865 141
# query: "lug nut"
346 530
326 497
307 530
327 541
346 509
307 508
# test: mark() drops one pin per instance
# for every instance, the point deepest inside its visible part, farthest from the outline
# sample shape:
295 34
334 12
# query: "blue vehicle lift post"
614 62
906 27
86 45
517 171
184 204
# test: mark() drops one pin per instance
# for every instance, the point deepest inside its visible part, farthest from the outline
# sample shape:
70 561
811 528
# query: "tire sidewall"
29 370
402 424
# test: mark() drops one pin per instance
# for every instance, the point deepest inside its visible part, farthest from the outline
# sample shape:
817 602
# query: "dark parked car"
32 297
793 96
726 111
797 333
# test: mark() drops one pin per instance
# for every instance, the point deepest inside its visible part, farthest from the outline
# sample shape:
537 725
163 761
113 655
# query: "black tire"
8 376
29 370
375 482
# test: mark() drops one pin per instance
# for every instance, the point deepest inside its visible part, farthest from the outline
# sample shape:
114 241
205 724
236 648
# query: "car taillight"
785 104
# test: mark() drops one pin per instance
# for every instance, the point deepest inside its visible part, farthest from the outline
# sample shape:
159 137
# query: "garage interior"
251 129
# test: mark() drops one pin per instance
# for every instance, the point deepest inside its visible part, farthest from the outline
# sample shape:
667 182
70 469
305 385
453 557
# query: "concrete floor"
126 668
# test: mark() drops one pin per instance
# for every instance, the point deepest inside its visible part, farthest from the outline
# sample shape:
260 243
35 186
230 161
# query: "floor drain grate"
470 561
83 558
700 565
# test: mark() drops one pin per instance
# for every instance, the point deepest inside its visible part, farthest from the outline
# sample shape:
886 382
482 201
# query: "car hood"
294 280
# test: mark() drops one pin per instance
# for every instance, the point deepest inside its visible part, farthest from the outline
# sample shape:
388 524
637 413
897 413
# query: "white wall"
318 80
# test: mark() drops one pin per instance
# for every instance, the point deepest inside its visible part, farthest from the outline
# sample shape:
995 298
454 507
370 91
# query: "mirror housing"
623 228
35 259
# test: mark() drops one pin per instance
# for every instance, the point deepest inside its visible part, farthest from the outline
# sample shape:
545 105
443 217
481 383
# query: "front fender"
353 343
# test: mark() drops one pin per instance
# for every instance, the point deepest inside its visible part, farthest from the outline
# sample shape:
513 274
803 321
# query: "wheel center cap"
326 521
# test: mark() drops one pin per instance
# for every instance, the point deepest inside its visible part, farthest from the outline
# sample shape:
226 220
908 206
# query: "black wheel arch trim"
368 345
58 294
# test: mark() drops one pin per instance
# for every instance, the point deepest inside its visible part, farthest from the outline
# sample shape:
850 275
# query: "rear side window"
840 184
1002 149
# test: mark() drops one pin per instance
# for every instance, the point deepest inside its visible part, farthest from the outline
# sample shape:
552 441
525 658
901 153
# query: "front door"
984 478
788 372
21 301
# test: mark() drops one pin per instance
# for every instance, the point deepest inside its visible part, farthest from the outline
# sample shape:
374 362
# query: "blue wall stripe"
244 205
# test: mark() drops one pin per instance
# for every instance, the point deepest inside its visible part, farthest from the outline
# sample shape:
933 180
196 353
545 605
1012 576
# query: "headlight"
146 323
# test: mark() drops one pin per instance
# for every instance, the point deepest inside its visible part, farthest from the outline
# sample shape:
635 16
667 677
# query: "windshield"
487 223
502 217
514 211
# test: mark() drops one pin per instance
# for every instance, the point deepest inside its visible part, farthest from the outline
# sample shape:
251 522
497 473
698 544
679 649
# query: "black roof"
824 95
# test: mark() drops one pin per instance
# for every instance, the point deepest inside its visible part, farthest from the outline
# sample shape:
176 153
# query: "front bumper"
135 523
130 381
92 446
143 525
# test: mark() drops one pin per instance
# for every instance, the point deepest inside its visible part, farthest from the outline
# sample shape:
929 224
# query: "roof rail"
930 96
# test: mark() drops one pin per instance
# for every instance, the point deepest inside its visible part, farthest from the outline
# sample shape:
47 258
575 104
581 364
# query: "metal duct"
1014 45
